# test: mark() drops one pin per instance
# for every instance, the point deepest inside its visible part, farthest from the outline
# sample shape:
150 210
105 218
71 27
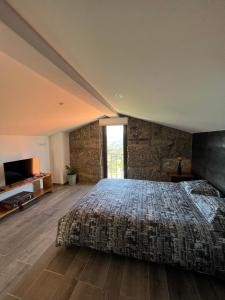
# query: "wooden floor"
32 268
25 236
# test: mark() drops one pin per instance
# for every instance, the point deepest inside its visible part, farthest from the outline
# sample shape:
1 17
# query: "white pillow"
213 210
200 187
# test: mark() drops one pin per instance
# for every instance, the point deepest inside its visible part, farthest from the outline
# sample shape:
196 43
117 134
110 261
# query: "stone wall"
86 152
152 150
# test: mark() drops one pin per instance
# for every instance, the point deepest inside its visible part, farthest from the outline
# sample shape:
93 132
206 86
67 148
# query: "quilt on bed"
154 221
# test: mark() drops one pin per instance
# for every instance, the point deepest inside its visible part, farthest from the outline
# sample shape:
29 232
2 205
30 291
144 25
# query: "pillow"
212 209
200 187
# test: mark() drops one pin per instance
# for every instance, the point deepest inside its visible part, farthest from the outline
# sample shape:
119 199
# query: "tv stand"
40 185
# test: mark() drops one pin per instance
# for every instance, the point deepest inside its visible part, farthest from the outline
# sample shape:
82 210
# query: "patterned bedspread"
154 221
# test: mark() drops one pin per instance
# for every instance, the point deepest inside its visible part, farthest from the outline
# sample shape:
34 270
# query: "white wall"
66 143
53 153
21 147
59 156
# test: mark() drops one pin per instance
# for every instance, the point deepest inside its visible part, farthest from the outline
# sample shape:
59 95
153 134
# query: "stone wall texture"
152 150
86 152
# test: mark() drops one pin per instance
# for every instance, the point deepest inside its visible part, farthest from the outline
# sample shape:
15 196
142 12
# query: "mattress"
154 221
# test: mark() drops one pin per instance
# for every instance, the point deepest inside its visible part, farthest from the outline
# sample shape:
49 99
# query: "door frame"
105 169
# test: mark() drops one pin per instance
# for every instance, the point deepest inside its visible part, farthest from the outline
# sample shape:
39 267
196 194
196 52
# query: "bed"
159 222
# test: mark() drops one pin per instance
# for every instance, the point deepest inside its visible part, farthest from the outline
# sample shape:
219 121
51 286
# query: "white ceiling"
30 104
31 88
159 60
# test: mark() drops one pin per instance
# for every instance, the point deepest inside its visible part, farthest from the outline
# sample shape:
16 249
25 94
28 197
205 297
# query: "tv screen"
18 170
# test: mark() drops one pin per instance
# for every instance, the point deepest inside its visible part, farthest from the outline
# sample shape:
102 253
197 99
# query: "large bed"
155 221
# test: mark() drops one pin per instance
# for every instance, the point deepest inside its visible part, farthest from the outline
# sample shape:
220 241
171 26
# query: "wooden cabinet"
178 178
40 185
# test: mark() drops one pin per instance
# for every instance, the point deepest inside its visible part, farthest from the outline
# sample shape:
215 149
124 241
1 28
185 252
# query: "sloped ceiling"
158 60
32 105
37 97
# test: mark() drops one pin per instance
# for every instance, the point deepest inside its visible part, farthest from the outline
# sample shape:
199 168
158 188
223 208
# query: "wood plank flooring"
25 235
32 268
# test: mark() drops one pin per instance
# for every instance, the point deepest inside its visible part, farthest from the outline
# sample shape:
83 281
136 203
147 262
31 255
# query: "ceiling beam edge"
21 27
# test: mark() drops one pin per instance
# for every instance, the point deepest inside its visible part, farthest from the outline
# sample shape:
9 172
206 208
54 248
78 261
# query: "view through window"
115 155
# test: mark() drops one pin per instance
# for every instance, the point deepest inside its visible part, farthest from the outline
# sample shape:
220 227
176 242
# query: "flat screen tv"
18 170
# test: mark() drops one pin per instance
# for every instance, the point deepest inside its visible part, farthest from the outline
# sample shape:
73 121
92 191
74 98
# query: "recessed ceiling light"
118 95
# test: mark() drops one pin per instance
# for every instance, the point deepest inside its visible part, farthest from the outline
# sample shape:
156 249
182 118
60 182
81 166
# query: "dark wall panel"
208 157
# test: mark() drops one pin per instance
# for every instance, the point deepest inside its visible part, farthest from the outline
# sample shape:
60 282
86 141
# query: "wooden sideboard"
40 185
